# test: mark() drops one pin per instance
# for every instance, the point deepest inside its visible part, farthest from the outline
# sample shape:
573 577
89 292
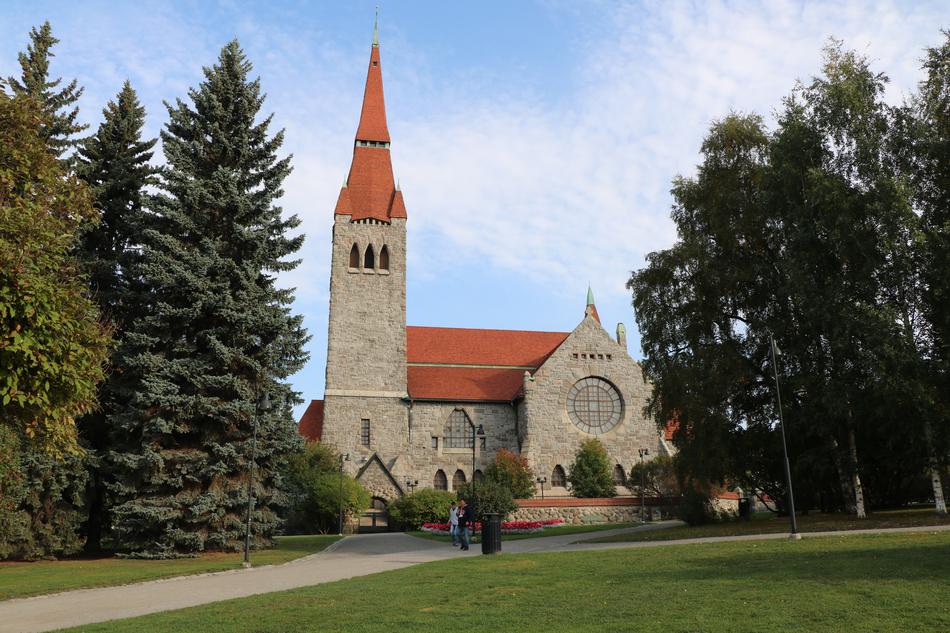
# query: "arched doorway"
376 519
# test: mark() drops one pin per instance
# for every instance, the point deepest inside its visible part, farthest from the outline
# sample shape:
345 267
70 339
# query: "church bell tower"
366 349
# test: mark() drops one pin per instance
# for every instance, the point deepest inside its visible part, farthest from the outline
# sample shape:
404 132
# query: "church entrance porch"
376 519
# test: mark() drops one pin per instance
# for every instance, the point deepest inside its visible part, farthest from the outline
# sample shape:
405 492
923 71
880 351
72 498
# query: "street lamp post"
643 452
480 432
781 420
262 407
344 457
541 481
411 484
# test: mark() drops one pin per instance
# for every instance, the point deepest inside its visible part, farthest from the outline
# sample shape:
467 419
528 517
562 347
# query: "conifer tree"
115 164
218 334
58 112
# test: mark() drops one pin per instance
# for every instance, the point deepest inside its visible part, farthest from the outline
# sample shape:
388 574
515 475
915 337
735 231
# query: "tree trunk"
935 481
844 481
855 477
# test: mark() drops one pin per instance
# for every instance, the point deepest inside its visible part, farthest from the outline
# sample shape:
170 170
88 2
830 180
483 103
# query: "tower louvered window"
364 432
355 257
369 260
458 431
384 258
440 482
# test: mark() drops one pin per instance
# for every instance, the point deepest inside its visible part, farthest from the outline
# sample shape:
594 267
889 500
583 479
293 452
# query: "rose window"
594 405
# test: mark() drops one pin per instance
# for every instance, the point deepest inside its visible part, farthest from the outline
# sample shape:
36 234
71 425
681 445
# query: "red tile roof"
373 116
311 424
370 187
370 190
464 346
469 364
464 383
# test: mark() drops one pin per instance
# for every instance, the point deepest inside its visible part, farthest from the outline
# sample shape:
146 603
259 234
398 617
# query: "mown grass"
894 582
768 523
28 579
550 531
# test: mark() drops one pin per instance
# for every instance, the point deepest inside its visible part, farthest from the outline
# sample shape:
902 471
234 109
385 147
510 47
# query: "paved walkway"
353 556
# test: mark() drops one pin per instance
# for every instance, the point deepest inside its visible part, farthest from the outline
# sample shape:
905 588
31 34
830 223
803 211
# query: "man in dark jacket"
466 523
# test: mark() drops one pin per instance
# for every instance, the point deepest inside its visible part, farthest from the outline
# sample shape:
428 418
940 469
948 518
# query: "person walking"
466 523
454 524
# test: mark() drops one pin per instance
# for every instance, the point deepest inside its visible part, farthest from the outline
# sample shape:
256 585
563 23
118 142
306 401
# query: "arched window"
369 260
457 431
354 257
478 475
440 482
619 476
558 478
384 258
458 480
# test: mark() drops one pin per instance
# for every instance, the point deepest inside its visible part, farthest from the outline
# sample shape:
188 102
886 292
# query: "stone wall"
549 436
588 511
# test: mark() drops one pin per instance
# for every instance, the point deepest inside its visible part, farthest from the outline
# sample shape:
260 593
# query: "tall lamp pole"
262 407
781 420
344 457
643 452
480 432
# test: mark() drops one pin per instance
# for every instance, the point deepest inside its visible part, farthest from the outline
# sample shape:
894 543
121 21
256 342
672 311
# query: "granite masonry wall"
587 511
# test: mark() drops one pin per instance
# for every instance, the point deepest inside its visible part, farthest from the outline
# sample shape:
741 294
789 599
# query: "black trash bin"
745 508
491 533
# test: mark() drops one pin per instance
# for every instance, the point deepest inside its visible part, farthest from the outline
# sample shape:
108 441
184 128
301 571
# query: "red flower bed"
511 527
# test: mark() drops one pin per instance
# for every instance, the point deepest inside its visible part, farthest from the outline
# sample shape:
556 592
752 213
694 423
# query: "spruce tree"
57 110
115 164
217 334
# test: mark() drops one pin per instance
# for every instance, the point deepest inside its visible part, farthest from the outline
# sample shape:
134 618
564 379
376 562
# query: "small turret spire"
591 309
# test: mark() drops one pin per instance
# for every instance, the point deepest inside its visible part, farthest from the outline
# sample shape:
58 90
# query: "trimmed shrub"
423 506
512 471
488 496
590 472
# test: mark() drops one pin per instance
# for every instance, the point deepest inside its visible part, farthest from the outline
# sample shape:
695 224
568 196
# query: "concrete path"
353 556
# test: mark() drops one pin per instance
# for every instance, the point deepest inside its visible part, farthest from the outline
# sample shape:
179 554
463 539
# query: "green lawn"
551 531
768 523
27 579
894 582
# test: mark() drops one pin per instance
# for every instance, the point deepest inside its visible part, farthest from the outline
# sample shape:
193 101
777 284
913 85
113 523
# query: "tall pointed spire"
373 117
370 190
591 309
376 28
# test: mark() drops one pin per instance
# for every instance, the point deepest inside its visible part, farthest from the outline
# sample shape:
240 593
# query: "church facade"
430 406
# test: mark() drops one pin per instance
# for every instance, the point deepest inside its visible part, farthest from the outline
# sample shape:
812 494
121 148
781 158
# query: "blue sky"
535 142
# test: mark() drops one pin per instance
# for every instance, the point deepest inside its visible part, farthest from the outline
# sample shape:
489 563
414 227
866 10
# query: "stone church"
429 406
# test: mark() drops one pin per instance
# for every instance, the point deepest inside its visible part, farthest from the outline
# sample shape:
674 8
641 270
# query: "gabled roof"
311 424
472 364
374 459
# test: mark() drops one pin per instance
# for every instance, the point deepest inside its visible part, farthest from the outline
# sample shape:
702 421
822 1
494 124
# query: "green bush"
512 471
45 522
423 506
590 472
696 508
658 476
313 487
488 496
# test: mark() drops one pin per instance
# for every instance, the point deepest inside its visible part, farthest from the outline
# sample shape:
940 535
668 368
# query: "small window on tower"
384 258
355 257
364 432
435 442
369 260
